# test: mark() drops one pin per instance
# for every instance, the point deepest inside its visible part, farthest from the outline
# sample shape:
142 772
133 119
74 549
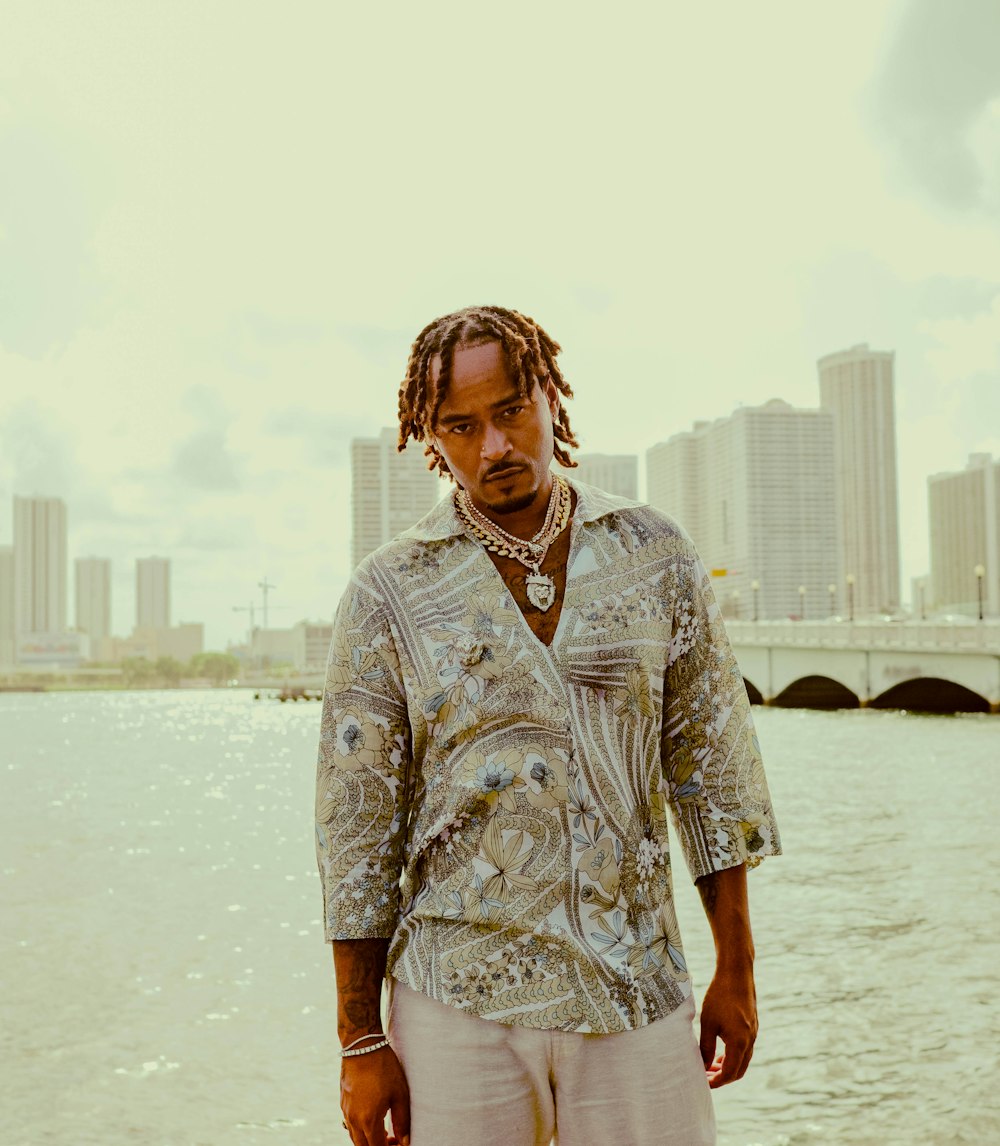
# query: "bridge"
879 664
829 664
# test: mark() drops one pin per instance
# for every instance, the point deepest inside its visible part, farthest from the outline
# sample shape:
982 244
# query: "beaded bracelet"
364 1050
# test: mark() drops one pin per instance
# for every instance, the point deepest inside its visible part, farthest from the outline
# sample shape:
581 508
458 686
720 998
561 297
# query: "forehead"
478 374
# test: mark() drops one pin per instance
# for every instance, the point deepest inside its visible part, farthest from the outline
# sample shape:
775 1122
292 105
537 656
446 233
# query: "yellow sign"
720 572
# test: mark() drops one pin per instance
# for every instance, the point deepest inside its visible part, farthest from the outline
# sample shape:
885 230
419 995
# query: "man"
519 688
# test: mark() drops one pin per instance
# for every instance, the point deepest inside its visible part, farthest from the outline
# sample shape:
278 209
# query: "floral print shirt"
498 808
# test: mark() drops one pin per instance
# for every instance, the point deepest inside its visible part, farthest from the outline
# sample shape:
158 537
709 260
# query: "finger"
715 1070
744 1055
357 1133
715 1066
400 1110
745 1064
706 1042
732 1061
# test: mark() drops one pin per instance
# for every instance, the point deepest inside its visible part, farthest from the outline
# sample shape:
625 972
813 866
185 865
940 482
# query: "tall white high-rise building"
7 630
92 577
965 536
614 473
152 593
755 491
673 476
39 565
856 386
390 491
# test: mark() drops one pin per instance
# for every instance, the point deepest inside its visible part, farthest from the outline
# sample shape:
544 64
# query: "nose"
495 443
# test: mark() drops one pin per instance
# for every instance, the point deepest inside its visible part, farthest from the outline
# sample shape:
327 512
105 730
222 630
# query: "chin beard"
512 504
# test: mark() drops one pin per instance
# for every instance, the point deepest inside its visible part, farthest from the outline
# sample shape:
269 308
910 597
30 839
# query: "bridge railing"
926 636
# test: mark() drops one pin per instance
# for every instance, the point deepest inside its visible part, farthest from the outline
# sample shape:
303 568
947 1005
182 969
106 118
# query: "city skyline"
185 360
691 475
756 493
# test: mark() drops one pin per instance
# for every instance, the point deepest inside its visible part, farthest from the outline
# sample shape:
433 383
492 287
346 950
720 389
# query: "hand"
371 1084
729 1012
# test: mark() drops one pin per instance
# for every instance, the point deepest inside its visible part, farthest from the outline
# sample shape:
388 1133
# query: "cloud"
36 452
204 462
967 344
325 438
937 101
216 534
50 210
379 344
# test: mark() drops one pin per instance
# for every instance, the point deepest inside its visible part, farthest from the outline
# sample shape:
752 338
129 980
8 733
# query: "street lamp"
980 572
850 597
832 590
755 585
802 602
736 604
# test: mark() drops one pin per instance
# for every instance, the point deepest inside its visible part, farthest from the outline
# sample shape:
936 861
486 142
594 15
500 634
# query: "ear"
551 396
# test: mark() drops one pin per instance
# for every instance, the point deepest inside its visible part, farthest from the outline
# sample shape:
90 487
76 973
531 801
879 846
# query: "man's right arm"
361 817
370 1084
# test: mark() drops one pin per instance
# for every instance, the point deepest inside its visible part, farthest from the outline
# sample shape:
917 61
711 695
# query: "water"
165 979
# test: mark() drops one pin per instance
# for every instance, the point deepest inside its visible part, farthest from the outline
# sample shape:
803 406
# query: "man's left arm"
720 803
729 1008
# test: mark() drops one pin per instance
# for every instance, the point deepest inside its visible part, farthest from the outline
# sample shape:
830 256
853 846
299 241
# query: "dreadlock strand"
448 344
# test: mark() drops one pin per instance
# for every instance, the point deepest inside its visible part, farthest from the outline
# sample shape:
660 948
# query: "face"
497 443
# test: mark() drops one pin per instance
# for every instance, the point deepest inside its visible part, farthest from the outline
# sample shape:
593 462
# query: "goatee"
512 504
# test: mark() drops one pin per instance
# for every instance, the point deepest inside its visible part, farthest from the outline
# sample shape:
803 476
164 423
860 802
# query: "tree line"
168 672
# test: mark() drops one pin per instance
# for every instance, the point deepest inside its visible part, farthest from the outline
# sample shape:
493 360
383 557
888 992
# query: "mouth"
504 474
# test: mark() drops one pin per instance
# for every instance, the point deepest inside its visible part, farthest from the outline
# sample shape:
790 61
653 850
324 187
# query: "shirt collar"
443 521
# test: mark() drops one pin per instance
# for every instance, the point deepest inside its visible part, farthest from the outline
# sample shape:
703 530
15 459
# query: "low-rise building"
312 645
52 650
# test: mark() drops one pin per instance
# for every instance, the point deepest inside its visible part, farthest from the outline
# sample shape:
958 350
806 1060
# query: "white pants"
477 1082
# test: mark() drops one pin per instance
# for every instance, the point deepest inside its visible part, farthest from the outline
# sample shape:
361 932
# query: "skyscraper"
39 565
673 476
7 631
92 577
856 386
152 593
965 536
389 491
614 473
755 491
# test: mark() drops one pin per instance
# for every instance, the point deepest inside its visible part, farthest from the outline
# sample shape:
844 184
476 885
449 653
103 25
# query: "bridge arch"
753 692
931 694
816 692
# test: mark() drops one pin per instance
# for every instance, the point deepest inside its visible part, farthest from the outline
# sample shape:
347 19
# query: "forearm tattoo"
360 971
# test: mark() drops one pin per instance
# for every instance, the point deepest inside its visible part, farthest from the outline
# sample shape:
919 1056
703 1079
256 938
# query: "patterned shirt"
497 807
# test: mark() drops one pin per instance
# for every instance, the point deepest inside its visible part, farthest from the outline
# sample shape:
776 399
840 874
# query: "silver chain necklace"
541 589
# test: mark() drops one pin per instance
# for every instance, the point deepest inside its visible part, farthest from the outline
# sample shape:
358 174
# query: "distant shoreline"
93 686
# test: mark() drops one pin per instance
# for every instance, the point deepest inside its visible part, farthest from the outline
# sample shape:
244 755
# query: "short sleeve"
710 753
362 773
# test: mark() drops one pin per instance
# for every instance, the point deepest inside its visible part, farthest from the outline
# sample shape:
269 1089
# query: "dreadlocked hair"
530 353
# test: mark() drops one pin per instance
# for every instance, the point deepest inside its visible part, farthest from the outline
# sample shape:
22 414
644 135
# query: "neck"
526 522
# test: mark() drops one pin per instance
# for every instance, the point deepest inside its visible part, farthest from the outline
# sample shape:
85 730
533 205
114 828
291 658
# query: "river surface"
165 979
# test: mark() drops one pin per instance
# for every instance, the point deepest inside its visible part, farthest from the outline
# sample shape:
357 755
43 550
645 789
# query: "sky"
222 224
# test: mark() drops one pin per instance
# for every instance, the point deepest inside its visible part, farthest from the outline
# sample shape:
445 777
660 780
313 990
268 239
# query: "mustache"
503 467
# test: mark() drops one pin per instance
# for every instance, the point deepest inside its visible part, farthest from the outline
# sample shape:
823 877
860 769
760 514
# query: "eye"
460 428
512 411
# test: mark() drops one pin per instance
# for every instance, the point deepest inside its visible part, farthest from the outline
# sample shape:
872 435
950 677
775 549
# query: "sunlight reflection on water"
161 909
